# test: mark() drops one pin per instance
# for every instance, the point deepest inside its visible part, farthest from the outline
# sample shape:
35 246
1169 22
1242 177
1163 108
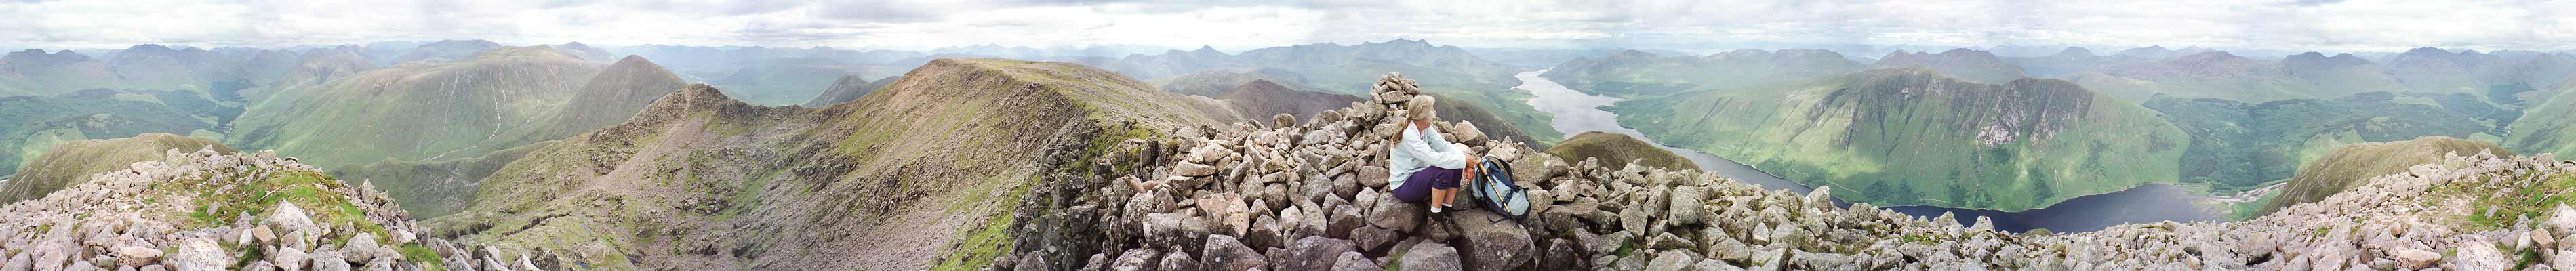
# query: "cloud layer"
2381 25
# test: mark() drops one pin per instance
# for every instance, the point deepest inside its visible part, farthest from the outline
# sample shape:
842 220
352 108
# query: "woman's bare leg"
1440 197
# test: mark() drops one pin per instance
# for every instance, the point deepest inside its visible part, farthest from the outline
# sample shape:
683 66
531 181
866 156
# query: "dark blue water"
1577 112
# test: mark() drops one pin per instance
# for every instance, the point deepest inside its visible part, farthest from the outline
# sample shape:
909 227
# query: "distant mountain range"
1641 74
1448 71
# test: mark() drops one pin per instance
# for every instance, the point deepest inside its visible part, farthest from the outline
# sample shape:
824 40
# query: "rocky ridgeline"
1292 196
208 211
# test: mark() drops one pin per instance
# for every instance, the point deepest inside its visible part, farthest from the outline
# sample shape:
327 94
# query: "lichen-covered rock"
2477 257
200 254
1431 257
288 258
1671 260
1178 261
1137 259
1352 261
1227 253
1193 169
1494 243
137 256
1396 214
1316 253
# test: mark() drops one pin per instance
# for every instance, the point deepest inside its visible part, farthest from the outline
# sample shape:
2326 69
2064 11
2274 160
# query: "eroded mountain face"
1913 136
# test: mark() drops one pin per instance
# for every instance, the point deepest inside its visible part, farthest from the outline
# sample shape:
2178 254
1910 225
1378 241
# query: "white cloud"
2384 25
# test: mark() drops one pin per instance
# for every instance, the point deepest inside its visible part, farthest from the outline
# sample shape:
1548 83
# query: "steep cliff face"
847 89
1916 137
698 180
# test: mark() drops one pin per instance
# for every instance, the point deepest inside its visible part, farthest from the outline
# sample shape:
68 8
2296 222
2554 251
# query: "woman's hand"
1471 166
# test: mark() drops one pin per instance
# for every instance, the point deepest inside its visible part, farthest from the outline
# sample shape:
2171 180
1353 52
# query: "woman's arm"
1419 149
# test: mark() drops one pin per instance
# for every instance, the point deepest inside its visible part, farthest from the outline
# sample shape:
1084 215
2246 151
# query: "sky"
2327 25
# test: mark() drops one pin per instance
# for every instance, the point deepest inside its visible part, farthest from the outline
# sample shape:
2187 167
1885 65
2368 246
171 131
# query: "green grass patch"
981 246
306 189
1395 261
414 252
2534 201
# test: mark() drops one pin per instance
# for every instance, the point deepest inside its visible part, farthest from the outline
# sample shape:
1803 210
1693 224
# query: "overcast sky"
2325 25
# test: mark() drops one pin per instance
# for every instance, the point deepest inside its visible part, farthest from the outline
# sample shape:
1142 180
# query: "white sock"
1435 209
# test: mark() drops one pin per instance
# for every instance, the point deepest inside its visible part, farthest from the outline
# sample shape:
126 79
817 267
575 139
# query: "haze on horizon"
2318 25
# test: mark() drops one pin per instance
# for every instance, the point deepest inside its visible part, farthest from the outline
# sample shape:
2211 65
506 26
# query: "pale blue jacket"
1416 151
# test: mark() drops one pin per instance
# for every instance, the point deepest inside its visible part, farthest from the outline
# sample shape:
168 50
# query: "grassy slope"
1262 98
33 125
416 110
606 99
1214 83
2544 125
1910 137
2353 165
73 162
1616 150
848 88
783 83
1487 108
434 188
2237 146
703 181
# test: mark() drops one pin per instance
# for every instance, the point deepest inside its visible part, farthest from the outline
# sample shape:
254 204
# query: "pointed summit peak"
2075 51
697 92
632 60
1204 49
148 47
2427 50
1631 54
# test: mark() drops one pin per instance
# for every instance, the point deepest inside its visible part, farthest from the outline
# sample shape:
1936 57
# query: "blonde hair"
1419 109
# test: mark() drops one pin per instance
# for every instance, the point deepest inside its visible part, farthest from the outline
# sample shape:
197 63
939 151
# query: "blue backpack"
1495 190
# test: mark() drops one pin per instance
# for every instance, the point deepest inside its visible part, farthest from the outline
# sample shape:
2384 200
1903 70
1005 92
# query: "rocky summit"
209 210
1309 197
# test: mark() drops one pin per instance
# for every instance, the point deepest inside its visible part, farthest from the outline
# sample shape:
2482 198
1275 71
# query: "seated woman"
1422 165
